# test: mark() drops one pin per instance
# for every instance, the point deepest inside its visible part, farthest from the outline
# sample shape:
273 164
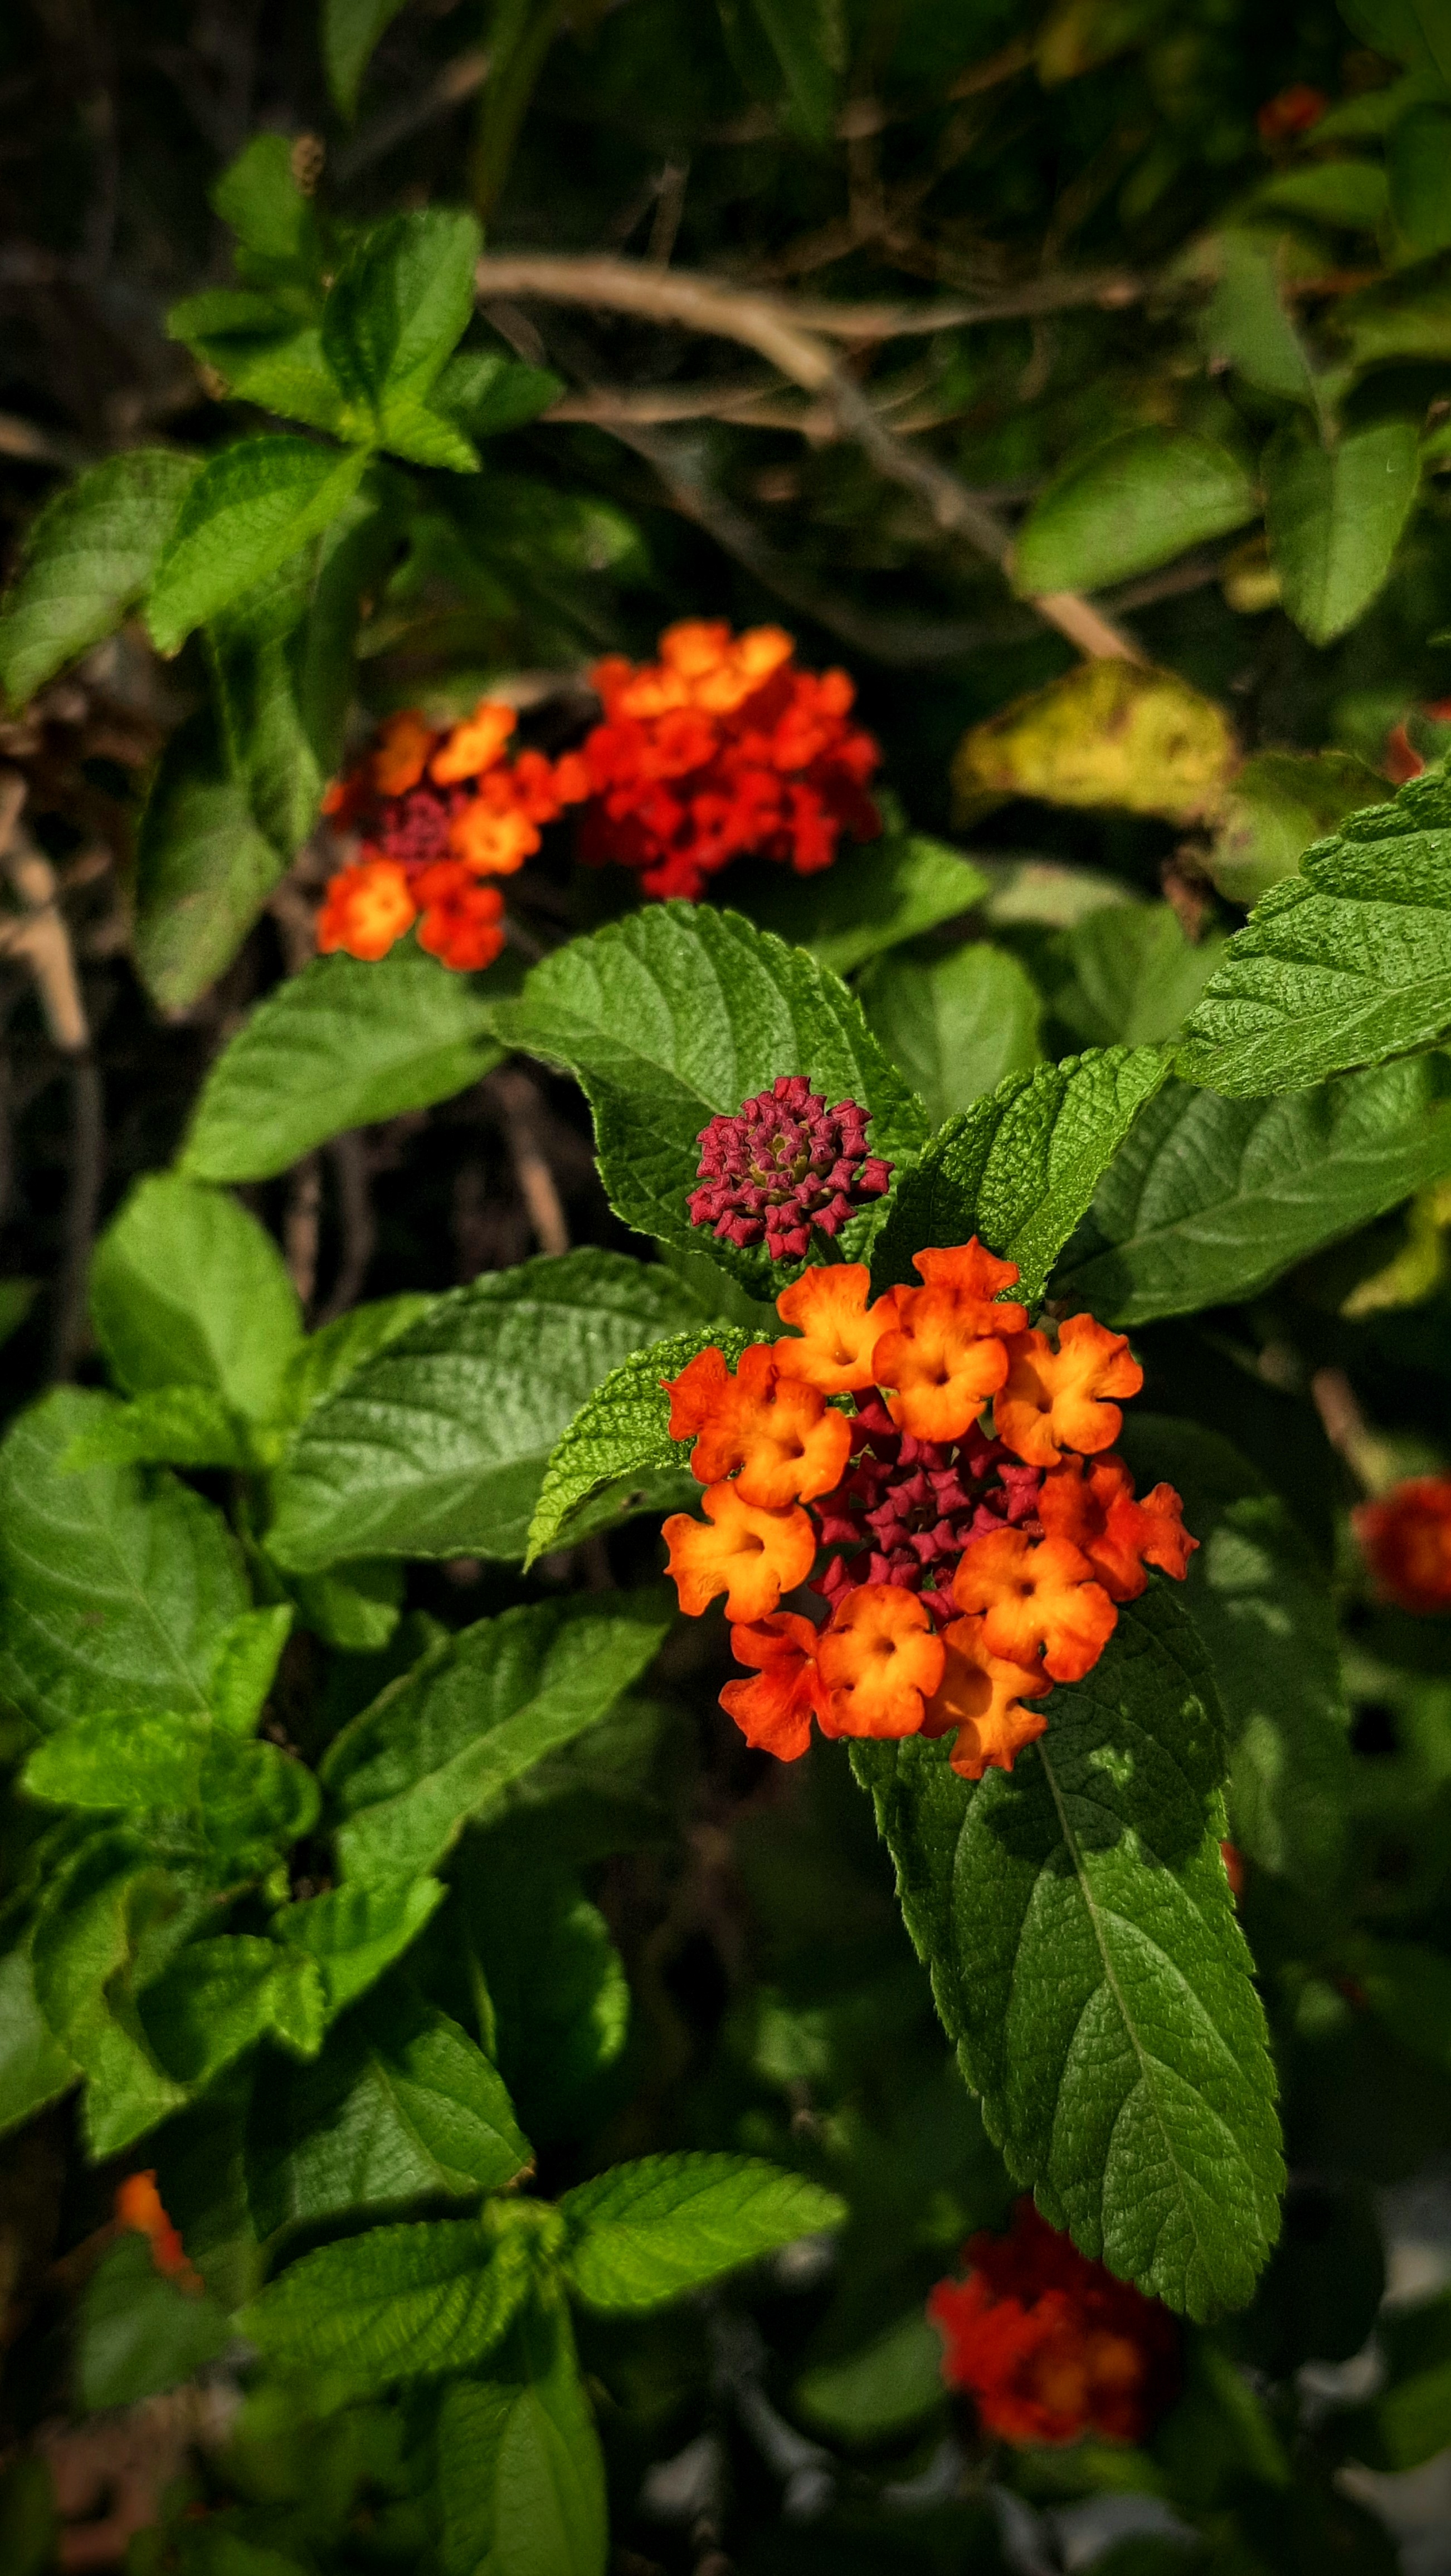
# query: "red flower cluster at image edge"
966 1521
1406 1541
1049 2345
441 814
721 750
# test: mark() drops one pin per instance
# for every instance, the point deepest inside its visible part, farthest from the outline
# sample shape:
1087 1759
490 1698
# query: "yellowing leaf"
1105 734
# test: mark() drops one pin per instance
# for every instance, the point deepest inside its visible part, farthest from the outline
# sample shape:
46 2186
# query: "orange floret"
1035 1594
981 1695
750 1555
366 908
493 839
139 2207
1121 1533
462 920
401 757
974 1275
839 1330
881 1660
776 1430
474 745
774 1712
1054 1400
942 1364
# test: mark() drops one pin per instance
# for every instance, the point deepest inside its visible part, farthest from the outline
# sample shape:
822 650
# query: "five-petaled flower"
1406 1539
1050 2345
941 1472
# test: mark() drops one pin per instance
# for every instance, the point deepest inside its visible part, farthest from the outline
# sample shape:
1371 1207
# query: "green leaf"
401 2106
245 1666
1349 193
256 647
556 1984
275 224
1136 501
646 2232
344 1044
1247 325
350 32
1334 517
97 1912
329 1356
1077 1923
806 38
521 2478
238 1798
1419 171
874 895
262 354
1344 964
954 1026
1261 1601
443 1743
249 509
1210 1199
437 1446
1404 316
1406 31
486 393
891 2385
137 2333
395 2303
34 2068
177 1426
218 1998
356 1933
204 868
402 298
1128 978
355 1606
1280 802
1410 2421
1020 1167
87 559
617 1457
187 1289
118 1582
677 1013
142 1759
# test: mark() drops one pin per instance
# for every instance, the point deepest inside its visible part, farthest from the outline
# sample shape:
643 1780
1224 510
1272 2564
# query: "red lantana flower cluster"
1050 2345
967 1568
1406 1539
441 813
719 749
783 1163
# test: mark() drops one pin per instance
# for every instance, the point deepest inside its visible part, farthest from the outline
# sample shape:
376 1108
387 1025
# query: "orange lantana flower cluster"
1406 1538
441 813
1050 2345
967 1568
721 749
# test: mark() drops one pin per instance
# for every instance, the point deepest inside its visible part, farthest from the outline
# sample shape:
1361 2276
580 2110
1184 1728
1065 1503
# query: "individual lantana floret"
439 810
1050 2345
1406 1540
139 2207
782 1163
720 750
964 1578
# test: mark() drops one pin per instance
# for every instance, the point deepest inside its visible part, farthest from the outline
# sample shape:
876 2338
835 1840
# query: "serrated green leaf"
1334 517
262 353
218 1998
88 558
141 1759
1263 1606
330 1356
395 2303
187 1289
442 1744
401 2106
1281 802
1210 1199
118 1582
221 1794
644 2233
617 1457
679 1012
34 2068
1130 504
248 510
954 1026
437 1446
356 1933
275 224
521 2477
137 2333
557 1986
1127 978
1020 1167
204 867
98 1911
872 897
485 392
245 1665
402 299
351 30
355 1606
344 1044
1077 1923
1343 965
168 1426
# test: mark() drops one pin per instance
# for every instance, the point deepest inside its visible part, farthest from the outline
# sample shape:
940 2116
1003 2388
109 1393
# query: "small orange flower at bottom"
750 1555
366 909
1093 1504
881 1660
774 1712
981 1696
1406 1540
461 924
1035 1595
139 2208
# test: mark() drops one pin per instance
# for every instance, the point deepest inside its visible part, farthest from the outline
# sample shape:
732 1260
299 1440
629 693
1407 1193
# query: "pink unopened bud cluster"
783 1164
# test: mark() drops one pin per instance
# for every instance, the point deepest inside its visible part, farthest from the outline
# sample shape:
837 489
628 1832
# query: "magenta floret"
783 1164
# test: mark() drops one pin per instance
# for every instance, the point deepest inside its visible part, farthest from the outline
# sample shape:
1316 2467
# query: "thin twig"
348 1155
769 325
302 1226
519 1108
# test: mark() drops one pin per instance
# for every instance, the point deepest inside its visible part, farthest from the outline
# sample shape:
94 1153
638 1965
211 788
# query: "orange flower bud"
404 743
1035 1595
750 1555
474 745
839 1330
981 1695
365 909
881 1660
776 1430
774 1712
1053 1400
1119 1532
